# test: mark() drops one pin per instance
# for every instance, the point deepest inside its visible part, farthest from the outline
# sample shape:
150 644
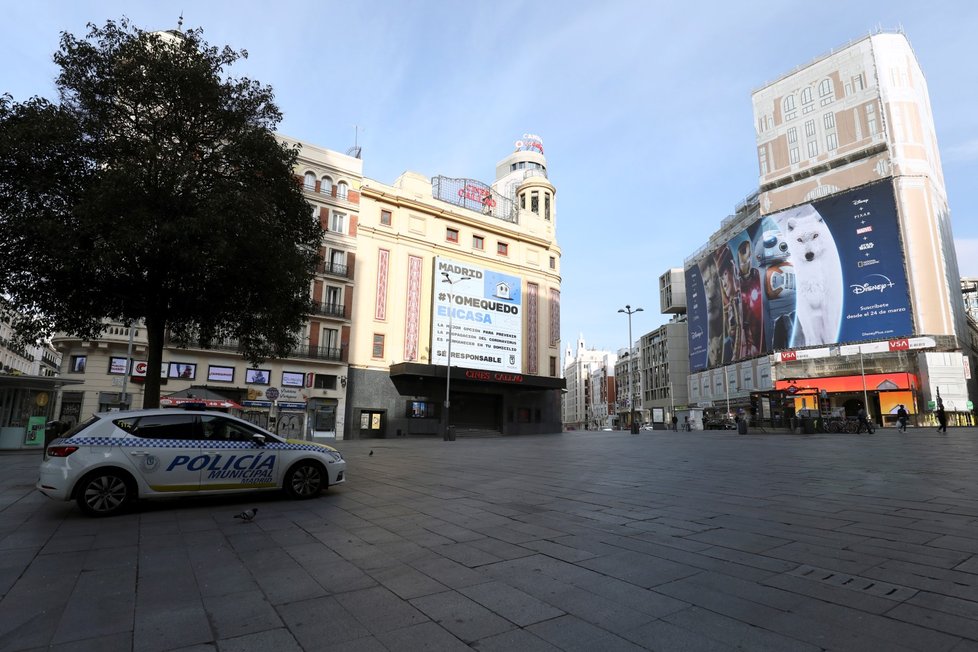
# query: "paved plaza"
576 541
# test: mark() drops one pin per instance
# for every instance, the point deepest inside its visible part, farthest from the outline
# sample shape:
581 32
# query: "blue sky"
644 106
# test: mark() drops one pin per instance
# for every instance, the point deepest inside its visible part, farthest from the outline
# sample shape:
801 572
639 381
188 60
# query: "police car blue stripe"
132 442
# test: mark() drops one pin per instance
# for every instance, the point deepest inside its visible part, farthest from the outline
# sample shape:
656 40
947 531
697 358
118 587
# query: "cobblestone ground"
575 541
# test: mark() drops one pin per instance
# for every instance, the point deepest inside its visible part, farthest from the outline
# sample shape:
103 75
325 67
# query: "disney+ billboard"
824 272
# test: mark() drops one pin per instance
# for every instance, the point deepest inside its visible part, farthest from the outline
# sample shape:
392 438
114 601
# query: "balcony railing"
301 351
333 269
330 310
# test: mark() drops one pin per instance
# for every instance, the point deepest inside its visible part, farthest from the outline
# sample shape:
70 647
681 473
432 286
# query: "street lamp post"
446 278
631 374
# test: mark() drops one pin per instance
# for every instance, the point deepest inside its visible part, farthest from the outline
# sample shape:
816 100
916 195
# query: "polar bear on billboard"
818 271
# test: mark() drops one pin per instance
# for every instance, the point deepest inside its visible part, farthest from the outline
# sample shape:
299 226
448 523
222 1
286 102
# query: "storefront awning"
406 370
874 383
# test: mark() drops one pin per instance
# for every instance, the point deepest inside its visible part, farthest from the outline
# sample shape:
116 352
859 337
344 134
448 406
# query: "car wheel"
306 479
104 493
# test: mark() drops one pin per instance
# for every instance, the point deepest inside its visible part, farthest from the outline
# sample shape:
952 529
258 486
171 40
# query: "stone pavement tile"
320 622
643 570
969 565
833 594
236 614
407 582
739 540
73 544
365 644
448 572
121 642
379 610
501 549
466 554
279 640
704 559
881 627
424 538
559 551
102 603
453 532
661 635
750 559
969 544
889 533
179 624
281 578
891 519
965 646
101 559
330 571
936 620
646 601
918 554
761 524
734 632
13 563
845 561
291 537
927 578
573 634
514 639
30 622
511 603
946 604
423 636
248 538
752 591
464 618
221 573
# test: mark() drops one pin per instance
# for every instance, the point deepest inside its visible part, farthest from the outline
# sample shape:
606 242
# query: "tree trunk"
155 329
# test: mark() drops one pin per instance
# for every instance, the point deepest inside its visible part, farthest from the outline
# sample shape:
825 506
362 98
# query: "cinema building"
836 284
454 269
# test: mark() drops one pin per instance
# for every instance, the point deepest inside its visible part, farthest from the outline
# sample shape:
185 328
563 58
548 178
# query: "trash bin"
450 433
808 425
794 424
742 426
53 430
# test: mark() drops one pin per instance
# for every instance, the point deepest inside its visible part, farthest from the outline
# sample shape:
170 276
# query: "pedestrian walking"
675 421
686 424
941 418
902 417
863 421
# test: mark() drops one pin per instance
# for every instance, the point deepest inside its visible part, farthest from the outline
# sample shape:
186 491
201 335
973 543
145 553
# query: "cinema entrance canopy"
482 401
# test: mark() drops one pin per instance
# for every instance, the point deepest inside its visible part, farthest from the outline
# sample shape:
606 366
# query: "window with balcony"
326 186
309 181
342 189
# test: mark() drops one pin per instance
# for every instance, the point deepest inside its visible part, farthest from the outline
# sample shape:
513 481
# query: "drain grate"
855 583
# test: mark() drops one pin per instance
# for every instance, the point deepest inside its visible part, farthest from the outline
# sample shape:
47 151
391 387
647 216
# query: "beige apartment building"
447 265
303 396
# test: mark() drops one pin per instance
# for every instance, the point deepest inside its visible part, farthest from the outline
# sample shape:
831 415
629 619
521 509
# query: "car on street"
114 458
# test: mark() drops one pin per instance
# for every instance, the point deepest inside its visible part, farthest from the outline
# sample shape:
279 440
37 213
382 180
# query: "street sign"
271 393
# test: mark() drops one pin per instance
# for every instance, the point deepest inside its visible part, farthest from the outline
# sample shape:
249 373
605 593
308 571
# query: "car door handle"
139 453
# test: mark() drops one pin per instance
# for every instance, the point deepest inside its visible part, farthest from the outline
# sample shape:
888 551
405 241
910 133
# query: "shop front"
882 393
27 404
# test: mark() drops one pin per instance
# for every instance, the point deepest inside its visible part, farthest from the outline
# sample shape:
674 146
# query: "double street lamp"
446 278
631 374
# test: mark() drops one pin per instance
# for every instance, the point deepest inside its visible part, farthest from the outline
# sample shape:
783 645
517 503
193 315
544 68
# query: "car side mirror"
259 440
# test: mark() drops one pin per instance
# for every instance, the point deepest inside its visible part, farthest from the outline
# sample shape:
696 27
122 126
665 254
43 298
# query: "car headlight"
335 455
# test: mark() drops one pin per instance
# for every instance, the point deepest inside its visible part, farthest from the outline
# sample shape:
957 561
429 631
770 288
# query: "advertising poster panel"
484 309
824 272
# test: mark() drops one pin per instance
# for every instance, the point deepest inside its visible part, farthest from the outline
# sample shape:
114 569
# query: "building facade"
837 285
455 269
577 399
664 364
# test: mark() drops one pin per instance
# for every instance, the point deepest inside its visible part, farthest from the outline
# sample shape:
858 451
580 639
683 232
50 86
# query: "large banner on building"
824 272
483 310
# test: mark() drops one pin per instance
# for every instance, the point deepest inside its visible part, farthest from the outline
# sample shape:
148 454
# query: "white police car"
116 457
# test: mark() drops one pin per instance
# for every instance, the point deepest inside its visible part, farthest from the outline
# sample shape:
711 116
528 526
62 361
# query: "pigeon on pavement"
248 515
370 453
